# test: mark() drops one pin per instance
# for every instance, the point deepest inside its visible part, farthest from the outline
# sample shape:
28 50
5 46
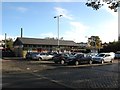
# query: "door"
107 58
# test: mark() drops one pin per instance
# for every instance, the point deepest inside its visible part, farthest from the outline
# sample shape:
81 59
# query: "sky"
78 22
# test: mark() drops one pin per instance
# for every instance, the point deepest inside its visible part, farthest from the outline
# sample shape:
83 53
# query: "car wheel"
90 62
39 59
102 61
76 63
62 62
111 61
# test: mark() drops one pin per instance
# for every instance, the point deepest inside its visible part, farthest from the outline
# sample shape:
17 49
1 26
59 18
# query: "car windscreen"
71 56
57 55
79 55
100 55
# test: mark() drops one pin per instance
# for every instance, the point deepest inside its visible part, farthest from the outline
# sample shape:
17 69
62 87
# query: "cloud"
77 29
64 12
1 37
21 9
109 31
49 34
18 8
76 33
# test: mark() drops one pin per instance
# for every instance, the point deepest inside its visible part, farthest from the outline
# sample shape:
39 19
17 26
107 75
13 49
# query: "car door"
107 58
43 56
81 58
48 56
85 58
65 56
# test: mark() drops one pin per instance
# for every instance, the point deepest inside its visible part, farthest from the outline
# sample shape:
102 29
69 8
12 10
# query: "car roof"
104 53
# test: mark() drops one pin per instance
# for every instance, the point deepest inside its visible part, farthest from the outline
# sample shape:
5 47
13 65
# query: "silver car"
32 55
103 57
44 56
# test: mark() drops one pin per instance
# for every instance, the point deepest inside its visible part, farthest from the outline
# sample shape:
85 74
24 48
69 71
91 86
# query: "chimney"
21 32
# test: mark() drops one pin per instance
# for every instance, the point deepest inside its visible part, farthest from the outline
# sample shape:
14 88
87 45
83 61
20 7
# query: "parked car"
92 54
103 57
117 55
61 58
38 56
45 56
112 55
32 55
28 55
79 59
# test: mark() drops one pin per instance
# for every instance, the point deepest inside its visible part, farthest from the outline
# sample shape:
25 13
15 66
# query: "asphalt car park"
58 65
46 74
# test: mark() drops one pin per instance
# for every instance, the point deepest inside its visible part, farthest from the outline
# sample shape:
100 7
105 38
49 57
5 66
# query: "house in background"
24 45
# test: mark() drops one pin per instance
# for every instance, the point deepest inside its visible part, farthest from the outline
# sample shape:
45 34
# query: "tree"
112 47
96 4
9 43
94 42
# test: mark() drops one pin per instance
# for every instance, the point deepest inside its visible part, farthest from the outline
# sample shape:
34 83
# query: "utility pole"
5 41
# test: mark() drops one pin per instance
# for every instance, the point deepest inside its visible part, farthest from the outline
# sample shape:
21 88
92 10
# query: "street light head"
55 17
61 15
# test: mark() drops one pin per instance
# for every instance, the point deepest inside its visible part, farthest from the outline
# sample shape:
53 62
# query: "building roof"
37 41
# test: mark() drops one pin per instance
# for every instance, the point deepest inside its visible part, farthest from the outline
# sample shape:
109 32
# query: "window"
107 55
34 45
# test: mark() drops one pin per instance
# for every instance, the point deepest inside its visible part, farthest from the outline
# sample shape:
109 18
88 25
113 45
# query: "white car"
44 56
103 57
112 55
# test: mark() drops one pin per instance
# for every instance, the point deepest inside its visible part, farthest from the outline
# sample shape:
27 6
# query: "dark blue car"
61 58
79 58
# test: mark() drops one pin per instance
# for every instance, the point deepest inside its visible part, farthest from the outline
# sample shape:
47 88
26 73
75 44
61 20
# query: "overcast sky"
78 22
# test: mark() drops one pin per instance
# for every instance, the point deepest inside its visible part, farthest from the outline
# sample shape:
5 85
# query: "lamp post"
5 41
58 27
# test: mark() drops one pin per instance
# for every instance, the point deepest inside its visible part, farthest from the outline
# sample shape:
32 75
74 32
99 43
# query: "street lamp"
58 27
5 41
